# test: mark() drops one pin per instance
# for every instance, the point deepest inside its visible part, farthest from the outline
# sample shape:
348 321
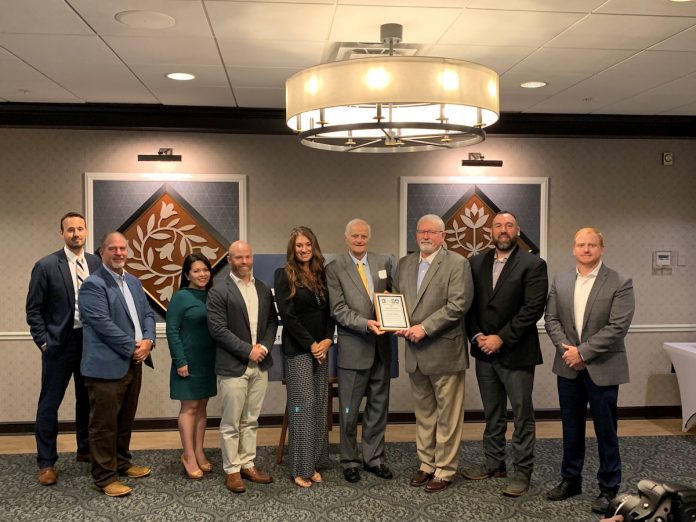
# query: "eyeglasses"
428 232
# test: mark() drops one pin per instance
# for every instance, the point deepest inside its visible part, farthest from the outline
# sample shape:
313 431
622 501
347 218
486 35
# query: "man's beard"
505 244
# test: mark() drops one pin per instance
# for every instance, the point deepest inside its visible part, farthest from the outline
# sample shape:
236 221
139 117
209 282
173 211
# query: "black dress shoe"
601 503
381 471
566 489
351 474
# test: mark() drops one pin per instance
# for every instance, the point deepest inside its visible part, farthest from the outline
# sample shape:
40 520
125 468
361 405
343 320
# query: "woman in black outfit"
303 304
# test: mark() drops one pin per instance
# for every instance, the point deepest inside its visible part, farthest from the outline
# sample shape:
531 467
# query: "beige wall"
614 184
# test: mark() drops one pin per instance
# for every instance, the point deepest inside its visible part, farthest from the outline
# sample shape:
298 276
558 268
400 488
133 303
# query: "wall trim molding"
233 120
399 417
635 328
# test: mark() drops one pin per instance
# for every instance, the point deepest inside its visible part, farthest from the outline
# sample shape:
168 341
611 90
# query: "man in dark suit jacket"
510 287
438 290
119 333
243 323
587 318
54 322
364 351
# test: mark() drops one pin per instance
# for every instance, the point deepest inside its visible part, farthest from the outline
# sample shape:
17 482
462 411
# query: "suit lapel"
596 287
487 277
509 266
569 292
236 295
261 320
111 283
67 277
434 267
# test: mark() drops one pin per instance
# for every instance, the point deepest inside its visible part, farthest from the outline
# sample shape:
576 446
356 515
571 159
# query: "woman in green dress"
192 379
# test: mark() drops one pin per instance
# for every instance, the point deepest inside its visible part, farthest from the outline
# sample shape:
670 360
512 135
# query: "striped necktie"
80 271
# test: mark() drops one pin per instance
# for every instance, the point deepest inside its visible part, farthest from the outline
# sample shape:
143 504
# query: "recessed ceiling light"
181 76
145 19
533 85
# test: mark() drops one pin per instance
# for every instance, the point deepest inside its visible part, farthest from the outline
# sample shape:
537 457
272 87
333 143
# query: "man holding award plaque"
364 351
438 290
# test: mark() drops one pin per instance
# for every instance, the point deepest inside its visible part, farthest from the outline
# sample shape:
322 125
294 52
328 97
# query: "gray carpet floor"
167 495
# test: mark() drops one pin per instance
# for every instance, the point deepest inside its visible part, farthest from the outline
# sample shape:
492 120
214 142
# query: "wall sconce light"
164 154
477 159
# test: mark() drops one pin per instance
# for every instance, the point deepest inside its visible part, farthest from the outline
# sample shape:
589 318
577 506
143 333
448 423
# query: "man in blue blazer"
510 287
54 322
587 318
119 333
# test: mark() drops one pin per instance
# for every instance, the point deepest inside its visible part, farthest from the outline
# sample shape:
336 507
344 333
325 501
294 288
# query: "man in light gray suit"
438 288
587 317
364 352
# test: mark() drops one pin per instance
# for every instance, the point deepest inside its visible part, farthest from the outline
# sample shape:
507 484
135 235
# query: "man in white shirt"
243 323
54 322
588 314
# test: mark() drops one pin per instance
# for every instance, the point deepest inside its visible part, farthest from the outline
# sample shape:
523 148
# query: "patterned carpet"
168 496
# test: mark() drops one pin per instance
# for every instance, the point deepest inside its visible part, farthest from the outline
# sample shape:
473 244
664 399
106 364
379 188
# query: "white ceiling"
598 56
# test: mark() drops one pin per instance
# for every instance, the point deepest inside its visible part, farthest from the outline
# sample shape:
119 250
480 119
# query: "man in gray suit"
438 289
364 352
587 317
243 323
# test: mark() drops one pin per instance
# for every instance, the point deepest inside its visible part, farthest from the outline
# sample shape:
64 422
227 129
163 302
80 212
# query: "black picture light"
476 159
164 154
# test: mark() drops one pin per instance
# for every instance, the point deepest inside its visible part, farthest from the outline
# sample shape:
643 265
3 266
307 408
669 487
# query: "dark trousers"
497 384
574 395
113 404
58 365
353 385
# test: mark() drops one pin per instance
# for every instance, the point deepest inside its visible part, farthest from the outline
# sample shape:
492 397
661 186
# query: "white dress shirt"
583 287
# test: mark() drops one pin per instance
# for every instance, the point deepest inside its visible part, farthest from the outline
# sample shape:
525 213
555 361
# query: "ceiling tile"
269 77
276 21
154 75
566 6
600 31
661 99
407 3
684 41
516 98
508 28
354 23
569 61
165 49
22 83
254 97
189 16
40 17
500 59
648 7
270 53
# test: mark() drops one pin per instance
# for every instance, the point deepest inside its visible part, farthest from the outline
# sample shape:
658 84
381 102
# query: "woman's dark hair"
311 277
186 268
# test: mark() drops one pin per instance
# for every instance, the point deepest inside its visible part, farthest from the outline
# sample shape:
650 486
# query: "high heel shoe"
302 482
196 475
206 468
316 477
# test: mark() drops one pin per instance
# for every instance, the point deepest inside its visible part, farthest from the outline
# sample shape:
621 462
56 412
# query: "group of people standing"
221 338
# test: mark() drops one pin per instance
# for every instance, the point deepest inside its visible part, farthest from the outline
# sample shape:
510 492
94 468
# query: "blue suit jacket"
108 340
51 299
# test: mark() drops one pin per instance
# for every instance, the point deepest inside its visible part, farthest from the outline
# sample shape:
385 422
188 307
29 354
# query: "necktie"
361 271
80 271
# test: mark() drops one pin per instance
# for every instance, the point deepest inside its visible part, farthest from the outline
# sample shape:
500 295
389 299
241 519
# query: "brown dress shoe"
116 489
48 476
234 483
420 478
436 484
136 472
254 474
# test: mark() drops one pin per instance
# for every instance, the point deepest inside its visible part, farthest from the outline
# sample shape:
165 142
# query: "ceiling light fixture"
392 103
533 85
181 76
477 159
164 154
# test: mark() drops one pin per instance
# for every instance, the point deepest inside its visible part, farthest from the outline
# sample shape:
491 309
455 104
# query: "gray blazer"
444 297
351 307
228 322
608 315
